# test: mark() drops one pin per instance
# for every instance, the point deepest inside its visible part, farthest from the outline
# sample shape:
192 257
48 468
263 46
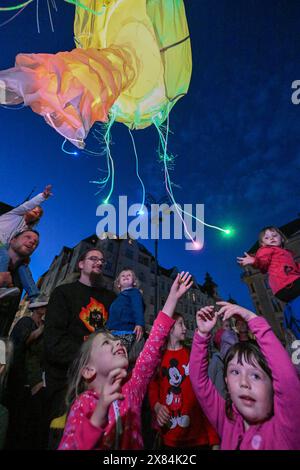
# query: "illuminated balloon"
132 63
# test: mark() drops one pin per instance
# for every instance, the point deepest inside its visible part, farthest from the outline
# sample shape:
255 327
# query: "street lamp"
150 200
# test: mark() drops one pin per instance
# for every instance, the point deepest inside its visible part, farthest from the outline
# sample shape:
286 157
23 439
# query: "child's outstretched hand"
179 287
227 310
246 259
47 191
206 318
111 391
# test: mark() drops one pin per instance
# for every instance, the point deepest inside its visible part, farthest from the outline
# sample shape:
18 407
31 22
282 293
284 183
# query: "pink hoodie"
281 431
80 434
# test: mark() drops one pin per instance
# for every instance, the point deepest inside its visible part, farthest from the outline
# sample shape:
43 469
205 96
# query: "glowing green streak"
90 152
16 7
66 151
78 4
110 162
137 170
107 139
164 143
102 183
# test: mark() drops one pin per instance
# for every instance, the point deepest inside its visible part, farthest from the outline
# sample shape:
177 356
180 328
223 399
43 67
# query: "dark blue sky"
236 137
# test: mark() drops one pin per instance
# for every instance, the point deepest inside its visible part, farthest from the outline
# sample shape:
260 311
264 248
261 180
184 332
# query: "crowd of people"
78 373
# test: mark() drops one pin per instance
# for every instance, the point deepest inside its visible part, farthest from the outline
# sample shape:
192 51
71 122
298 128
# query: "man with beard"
70 319
17 220
20 248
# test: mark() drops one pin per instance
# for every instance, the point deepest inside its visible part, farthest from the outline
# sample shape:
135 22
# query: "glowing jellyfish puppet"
131 64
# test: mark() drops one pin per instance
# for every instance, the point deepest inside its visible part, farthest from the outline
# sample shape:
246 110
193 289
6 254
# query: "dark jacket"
127 311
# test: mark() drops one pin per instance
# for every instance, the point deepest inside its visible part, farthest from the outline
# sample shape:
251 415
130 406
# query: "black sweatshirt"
74 312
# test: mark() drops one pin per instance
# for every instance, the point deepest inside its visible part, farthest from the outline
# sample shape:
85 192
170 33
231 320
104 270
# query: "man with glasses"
75 311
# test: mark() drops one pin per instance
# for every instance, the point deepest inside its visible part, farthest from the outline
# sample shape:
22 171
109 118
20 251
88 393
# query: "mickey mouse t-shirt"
188 426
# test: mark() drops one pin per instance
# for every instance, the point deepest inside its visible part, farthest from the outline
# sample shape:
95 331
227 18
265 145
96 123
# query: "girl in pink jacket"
106 410
283 272
262 409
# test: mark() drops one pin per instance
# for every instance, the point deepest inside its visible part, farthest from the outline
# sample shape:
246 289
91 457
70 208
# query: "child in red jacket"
176 412
283 272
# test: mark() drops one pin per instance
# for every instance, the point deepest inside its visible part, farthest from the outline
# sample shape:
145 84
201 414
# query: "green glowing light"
169 158
110 163
228 232
16 7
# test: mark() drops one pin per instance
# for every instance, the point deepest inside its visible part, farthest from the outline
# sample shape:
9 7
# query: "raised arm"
151 354
246 260
285 380
260 261
210 400
28 205
32 203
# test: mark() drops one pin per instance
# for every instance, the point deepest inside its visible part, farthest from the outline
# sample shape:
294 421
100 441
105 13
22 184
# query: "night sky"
235 137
